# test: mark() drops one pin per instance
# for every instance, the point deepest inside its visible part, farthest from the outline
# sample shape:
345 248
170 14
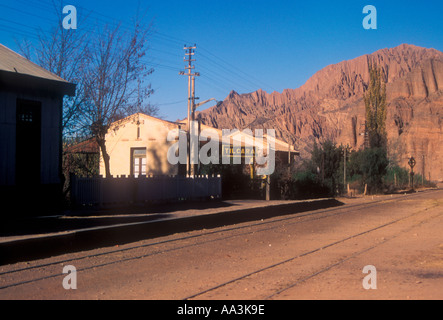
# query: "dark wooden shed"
31 107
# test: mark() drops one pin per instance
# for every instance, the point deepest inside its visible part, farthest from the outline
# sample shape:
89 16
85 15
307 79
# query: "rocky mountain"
330 106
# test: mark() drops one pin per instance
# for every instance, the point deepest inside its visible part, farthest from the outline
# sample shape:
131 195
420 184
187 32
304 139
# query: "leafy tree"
307 185
375 106
371 165
401 179
328 161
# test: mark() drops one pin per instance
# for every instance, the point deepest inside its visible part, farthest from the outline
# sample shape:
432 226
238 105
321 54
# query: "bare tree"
114 81
63 52
107 64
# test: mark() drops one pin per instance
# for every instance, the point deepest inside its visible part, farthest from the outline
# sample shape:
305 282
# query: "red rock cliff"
330 106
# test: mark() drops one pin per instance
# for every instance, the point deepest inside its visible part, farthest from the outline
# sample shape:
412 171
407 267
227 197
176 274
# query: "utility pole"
344 168
289 160
189 53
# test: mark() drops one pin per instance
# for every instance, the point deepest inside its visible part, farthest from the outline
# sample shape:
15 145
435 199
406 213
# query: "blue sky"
242 45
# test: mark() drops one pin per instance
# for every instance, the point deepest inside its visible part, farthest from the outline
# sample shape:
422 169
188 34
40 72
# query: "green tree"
307 185
328 161
375 106
371 165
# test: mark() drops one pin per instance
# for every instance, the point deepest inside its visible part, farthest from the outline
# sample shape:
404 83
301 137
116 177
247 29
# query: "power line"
231 69
229 82
26 13
170 103
217 70
213 84
222 76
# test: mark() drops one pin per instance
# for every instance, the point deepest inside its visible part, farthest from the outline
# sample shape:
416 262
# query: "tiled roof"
86 146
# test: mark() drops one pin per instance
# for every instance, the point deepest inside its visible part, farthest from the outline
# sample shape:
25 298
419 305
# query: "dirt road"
312 255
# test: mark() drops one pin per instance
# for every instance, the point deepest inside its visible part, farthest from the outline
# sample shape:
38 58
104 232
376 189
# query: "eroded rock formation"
330 106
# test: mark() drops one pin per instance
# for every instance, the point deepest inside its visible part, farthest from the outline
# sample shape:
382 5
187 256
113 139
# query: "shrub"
306 185
371 165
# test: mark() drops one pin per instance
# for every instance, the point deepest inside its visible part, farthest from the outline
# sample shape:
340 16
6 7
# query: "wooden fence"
99 191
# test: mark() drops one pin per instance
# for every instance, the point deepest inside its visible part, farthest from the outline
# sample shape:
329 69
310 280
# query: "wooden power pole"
189 53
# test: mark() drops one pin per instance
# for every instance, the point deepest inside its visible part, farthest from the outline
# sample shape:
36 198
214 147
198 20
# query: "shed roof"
13 64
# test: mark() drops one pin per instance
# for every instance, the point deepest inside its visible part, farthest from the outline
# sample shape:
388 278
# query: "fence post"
73 187
100 192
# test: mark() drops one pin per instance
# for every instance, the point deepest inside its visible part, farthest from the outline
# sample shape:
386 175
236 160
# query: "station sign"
238 151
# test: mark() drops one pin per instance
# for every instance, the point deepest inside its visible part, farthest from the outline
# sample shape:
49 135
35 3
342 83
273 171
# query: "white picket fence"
130 190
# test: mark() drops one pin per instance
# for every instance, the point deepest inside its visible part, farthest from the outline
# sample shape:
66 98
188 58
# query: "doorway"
28 142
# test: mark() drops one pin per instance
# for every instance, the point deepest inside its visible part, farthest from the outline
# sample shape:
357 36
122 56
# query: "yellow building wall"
152 136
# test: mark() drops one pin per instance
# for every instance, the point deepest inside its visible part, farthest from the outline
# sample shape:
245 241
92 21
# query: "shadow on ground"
151 208
83 218
88 239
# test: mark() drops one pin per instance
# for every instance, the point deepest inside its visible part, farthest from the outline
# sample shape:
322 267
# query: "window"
138 161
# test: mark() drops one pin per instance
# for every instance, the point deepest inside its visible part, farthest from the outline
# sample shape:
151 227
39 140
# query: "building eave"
11 80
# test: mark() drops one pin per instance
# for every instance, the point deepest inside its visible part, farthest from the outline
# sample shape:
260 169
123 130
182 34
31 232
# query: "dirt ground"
312 255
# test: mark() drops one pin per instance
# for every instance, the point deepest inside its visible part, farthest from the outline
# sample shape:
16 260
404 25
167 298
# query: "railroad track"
262 226
310 252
